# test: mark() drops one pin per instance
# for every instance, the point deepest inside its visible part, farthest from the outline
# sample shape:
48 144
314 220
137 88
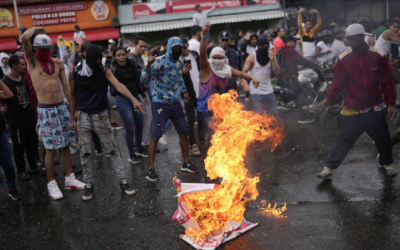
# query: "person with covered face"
214 75
4 64
89 84
249 45
53 114
168 87
323 52
260 64
364 73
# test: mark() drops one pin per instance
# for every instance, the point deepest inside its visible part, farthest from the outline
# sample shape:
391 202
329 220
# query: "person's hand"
240 86
186 97
324 103
392 112
187 68
320 64
392 60
72 124
60 38
314 11
40 30
119 40
255 82
206 29
137 106
247 37
272 56
4 109
150 61
302 10
246 88
146 101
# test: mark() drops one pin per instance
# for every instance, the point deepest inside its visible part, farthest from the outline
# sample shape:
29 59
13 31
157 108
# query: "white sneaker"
163 140
325 174
72 151
390 170
72 183
54 191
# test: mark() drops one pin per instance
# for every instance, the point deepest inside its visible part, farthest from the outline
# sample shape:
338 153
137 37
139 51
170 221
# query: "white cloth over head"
86 70
220 68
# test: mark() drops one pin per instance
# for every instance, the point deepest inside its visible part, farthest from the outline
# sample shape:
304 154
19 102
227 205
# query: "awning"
248 17
91 36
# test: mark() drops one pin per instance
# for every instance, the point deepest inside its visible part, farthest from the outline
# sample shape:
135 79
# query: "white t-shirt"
194 73
337 48
325 48
298 46
194 45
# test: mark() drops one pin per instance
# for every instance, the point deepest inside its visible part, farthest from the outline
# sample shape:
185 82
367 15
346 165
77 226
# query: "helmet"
326 33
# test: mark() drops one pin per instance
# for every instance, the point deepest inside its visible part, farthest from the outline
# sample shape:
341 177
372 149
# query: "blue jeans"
163 112
133 121
266 103
167 126
205 118
6 162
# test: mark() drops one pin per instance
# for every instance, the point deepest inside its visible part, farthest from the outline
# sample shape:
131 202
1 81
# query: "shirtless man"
53 114
390 35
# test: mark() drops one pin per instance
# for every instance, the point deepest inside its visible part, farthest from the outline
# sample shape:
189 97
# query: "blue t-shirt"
233 62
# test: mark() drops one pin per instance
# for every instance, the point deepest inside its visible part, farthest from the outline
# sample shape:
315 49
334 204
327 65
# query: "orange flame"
234 130
273 210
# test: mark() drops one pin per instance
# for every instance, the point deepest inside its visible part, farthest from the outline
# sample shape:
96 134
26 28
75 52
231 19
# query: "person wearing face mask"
4 63
259 64
324 48
127 74
214 75
89 84
54 116
169 85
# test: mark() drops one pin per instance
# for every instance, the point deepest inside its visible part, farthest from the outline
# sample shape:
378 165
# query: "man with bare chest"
53 114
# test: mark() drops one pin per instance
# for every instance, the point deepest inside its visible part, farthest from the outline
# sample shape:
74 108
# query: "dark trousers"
205 118
6 162
24 141
352 127
297 88
190 110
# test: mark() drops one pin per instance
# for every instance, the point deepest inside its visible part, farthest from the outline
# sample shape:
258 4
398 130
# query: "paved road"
359 209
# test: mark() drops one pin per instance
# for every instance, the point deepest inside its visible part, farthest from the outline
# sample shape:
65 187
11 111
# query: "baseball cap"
224 35
337 30
356 29
42 41
268 33
184 41
290 38
333 24
363 19
326 33
292 29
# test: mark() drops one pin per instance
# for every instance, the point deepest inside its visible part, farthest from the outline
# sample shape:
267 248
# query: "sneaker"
72 183
54 191
188 167
15 195
390 170
98 151
152 175
72 151
126 187
24 176
163 140
108 154
134 159
195 150
325 174
141 152
115 125
306 121
89 192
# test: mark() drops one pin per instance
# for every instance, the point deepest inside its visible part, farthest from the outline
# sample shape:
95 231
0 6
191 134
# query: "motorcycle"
316 83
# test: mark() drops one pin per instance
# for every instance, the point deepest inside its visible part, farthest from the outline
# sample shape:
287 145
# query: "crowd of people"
62 101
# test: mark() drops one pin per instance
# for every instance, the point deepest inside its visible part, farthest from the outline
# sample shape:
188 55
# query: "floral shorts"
54 125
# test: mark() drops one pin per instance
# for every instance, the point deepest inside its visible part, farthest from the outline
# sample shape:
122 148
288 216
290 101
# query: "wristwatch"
201 34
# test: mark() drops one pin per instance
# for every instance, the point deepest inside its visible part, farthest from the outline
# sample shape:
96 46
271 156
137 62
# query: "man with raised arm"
53 114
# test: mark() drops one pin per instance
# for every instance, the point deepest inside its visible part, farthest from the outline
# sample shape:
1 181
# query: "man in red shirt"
278 43
364 73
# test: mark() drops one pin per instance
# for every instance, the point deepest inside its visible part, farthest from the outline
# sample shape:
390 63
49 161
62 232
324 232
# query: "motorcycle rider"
364 108
288 77
323 52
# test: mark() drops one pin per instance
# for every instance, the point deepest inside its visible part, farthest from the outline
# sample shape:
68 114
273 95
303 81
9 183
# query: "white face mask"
217 64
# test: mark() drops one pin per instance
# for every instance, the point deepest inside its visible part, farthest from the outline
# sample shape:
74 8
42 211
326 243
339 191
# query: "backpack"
280 59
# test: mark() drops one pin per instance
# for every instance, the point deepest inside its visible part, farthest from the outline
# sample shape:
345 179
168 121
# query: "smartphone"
188 62
394 50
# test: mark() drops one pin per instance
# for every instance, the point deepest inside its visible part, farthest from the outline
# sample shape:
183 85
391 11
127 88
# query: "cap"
337 30
111 41
333 24
268 33
292 29
184 41
290 38
356 29
326 33
363 19
224 35
42 41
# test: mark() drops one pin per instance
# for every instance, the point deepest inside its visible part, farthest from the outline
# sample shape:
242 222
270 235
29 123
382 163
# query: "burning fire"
272 210
235 129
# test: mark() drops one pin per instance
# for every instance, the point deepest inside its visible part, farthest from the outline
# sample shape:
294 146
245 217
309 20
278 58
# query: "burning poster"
213 214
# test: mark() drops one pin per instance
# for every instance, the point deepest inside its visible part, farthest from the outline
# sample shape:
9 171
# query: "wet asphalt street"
358 209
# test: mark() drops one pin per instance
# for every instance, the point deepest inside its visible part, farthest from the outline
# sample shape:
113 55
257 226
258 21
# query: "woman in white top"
324 48
259 65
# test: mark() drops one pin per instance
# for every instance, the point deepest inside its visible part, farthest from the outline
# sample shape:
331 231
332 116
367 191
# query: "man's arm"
392 36
123 90
212 9
371 41
28 50
300 22
246 76
72 103
299 59
205 68
274 63
5 92
83 36
195 22
319 22
248 65
63 79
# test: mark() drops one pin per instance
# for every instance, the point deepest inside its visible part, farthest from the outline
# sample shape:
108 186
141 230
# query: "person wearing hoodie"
89 83
4 63
168 86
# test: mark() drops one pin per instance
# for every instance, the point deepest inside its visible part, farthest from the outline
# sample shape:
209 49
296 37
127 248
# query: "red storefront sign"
174 7
51 8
